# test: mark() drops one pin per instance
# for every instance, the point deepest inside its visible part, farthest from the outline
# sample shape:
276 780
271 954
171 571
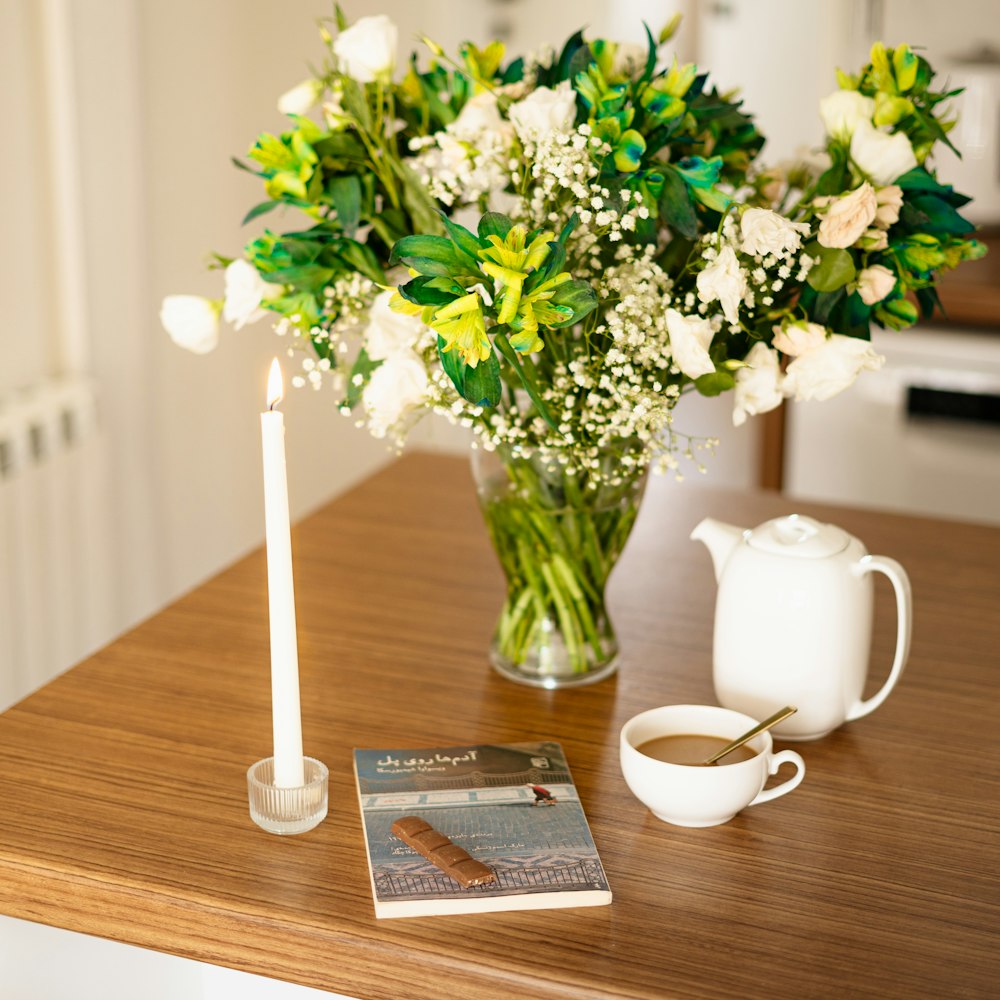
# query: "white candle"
285 712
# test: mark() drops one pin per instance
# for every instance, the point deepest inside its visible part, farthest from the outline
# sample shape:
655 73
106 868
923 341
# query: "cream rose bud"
391 334
690 337
843 110
245 290
628 60
726 281
848 217
875 283
799 338
758 385
191 321
882 157
830 369
301 98
765 232
397 387
544 110
367 49
890 202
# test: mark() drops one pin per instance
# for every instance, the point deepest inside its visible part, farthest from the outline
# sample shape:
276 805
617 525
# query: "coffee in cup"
685 793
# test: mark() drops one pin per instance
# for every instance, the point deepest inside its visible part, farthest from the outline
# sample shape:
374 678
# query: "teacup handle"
904 627
782 757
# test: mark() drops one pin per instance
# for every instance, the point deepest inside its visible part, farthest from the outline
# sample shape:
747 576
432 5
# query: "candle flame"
275 385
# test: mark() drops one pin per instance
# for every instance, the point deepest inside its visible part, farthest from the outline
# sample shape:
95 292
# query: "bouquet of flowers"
554 250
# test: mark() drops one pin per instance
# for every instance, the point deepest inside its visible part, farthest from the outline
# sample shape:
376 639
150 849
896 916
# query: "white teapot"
793 621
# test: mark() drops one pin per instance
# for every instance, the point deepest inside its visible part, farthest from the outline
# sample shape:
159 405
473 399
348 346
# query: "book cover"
514 807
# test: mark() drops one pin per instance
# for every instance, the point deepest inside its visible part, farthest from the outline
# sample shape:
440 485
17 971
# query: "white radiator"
56 591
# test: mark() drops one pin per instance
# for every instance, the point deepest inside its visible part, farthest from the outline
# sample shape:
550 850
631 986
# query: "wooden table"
124 809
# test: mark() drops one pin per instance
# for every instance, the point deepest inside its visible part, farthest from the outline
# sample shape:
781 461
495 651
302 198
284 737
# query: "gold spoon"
747 736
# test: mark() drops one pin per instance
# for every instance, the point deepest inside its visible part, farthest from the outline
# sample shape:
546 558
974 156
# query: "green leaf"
305 276
482 384
942 217
356 103
429 291
647 73
714 383
362 259
422 208
561 68
494 224
577 295
568 228
420 252
514 73
919 179
676 204
345 193
834 270
258 210
363 366
243 166
466 242
527 377
452 363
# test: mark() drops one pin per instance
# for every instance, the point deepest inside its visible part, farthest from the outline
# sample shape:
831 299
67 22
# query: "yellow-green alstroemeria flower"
508 262
534 309
462 326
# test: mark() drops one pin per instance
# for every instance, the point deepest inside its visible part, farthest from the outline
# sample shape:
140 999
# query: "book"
513 807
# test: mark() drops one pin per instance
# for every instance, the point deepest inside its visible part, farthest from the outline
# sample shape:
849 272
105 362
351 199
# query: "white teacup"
688 795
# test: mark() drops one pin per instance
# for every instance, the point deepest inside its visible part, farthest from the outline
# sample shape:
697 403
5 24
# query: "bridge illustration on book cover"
513 806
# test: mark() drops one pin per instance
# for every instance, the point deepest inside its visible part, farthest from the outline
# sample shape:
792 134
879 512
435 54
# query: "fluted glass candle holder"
288 810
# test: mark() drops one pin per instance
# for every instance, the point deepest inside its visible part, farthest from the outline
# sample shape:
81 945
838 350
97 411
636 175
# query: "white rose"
391 334
844 110
398 386
848 217
765 232
798 338
690 337
367 49
758 386
191 321
301 98
875 283
726 281
831 368
544 110
244 291
479 114
890 201
882 157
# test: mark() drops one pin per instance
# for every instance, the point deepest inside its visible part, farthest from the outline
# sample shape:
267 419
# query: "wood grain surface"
124 806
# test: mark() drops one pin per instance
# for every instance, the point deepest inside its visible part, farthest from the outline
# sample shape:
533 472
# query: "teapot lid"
799 536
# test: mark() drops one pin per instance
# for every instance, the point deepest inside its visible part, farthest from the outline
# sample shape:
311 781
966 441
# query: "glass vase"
558 533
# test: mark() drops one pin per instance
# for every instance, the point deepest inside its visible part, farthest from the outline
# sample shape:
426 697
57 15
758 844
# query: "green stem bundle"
558 537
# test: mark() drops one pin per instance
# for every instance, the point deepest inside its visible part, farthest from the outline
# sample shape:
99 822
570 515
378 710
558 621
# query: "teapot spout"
720 539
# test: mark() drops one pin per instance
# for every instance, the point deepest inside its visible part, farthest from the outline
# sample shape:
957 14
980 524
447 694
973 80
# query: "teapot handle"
904 627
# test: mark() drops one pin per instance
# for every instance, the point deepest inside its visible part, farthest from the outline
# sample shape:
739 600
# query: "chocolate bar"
454 861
